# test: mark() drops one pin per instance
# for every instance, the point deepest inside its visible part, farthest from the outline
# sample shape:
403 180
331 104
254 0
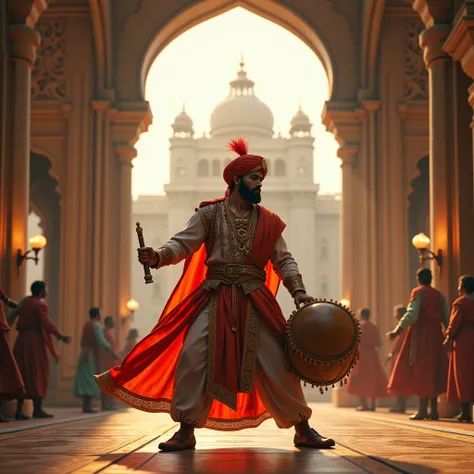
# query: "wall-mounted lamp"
422 242
37 243
132 306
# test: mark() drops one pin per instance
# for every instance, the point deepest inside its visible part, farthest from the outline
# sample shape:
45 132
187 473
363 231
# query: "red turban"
243 164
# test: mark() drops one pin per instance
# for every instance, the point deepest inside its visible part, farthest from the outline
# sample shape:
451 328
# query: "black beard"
251 195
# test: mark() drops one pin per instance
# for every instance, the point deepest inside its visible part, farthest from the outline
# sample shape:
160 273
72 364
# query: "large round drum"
322 342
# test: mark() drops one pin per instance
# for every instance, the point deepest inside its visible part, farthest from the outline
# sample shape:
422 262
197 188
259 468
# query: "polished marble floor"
127 441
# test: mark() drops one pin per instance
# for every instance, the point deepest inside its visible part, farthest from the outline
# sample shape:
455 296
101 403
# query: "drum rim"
321 383
344 354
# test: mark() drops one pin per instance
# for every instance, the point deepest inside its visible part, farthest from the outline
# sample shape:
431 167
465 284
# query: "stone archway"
136 57
418 213
45 201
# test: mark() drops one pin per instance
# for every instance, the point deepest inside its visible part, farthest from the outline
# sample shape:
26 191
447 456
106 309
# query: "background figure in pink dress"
108 360
460 343
401 404
368 379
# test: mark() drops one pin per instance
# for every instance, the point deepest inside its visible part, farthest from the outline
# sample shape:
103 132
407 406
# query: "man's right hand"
147 255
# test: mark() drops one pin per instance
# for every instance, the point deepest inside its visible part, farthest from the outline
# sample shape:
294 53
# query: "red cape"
145 378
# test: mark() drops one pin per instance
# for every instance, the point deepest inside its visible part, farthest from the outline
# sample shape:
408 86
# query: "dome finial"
242 64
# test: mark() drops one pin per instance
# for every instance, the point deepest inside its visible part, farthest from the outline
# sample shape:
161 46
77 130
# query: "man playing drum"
216 357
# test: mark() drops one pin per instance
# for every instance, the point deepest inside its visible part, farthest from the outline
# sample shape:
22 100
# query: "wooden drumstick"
141 242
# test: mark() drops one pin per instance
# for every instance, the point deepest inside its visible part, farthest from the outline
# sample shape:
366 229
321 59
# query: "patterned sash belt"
248 277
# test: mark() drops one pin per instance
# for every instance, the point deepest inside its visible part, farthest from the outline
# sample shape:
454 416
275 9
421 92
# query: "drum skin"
322 342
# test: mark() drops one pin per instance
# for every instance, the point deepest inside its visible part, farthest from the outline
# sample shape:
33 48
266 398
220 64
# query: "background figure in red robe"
399 312
33 346
11 383
421 367
108 360
216 357
460 343
368 379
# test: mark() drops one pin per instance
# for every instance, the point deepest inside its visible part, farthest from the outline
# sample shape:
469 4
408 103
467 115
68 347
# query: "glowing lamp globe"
421 241
132 305
345 302
38 242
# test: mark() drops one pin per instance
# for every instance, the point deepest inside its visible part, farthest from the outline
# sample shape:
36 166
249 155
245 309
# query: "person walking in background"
368 379
11 383
401 404
460 343
421 367
33 347
108 359
132 340
90 363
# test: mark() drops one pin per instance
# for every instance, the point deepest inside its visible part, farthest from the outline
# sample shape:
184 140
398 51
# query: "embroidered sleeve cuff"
165 256
294 283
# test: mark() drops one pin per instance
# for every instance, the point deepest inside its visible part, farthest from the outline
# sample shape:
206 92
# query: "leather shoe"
178 442
419 416
312 439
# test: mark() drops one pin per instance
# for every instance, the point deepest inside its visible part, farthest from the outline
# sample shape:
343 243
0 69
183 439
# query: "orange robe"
461 360
368 378
421 367
145 379
108 360
34 345
11 383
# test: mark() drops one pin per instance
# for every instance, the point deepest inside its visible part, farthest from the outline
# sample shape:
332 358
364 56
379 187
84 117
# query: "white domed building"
196 166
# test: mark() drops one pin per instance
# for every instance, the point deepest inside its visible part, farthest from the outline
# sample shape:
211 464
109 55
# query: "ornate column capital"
348 154
27 11
345 121
433 11
125 153
460 42
24 41
432 42
128 121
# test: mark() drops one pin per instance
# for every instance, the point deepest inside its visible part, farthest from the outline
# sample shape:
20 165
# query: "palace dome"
241 112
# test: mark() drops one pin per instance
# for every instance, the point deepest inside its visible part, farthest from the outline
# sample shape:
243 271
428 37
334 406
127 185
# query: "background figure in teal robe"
90 362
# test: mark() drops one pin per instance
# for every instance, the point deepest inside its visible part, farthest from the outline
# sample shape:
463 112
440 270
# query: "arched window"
216 167
280 168
203 168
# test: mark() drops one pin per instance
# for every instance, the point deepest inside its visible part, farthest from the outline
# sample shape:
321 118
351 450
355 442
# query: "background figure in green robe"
90 362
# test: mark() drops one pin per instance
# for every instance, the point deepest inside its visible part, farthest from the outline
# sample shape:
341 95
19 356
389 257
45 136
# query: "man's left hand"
302 297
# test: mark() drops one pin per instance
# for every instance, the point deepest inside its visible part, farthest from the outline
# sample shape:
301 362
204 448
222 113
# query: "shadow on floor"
263 460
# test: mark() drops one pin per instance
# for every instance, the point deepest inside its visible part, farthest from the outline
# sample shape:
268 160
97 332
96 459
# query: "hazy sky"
196 68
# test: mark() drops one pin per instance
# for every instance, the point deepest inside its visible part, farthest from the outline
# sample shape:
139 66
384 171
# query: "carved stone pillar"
460 45
125 155
440 69
24 42
346 122
127 122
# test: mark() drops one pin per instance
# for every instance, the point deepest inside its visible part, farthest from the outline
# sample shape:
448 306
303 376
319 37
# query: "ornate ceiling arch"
149 26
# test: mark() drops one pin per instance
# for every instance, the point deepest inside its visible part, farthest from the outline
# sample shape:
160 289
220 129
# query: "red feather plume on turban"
242 165
240 146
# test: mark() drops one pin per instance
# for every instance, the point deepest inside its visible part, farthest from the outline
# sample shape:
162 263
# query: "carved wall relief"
415 75
48 77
